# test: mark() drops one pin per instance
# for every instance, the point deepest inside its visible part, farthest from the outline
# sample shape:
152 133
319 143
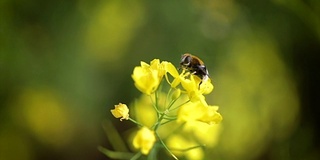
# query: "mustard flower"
171 69
210 115
194 91
184 102
121 111
144 140
197 111
189 82
148 77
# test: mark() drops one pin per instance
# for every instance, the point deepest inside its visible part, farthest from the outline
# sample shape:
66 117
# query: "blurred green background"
64 64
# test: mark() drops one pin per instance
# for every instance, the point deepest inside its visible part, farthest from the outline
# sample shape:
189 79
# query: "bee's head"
185 60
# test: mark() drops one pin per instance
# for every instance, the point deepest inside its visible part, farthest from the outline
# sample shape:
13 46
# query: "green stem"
190 148
134 121
172 102
114 154
165 146
169 92
168 121
180 105
156 96
170 117
155 107
136 156
159 121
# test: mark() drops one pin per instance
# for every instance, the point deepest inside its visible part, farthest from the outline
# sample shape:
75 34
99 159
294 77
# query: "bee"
195 66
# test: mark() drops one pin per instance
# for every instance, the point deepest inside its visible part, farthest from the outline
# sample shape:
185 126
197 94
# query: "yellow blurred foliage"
44 115
180 142
256 95
112 27
14 145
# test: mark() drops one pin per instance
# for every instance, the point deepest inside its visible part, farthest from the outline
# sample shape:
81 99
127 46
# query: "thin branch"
165 146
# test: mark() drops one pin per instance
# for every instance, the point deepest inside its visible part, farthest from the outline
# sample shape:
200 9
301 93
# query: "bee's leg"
200 84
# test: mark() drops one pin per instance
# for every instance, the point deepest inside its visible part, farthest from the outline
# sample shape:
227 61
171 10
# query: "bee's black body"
194 65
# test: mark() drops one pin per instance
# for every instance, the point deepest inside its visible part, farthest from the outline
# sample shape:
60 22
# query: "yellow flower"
144 140
203 133
194 91
189 82
198 111
210 115
148 77
171 69
206 87
121 111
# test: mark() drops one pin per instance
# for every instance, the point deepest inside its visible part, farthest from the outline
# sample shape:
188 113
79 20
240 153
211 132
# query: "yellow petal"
171 69
146 79
144 140
198 111
210 115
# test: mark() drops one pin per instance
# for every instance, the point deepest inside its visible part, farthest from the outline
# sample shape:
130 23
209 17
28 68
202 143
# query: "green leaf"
114 154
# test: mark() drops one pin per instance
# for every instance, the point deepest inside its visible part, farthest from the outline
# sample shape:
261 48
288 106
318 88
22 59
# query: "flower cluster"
183 105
